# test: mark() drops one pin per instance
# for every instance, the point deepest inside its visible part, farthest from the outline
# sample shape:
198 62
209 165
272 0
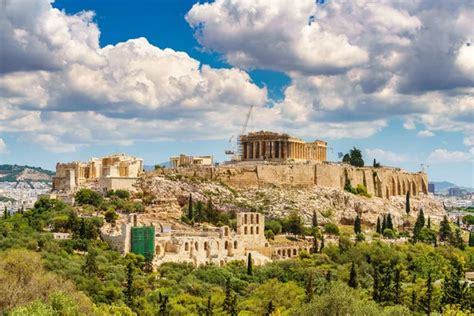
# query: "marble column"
285 150
268 151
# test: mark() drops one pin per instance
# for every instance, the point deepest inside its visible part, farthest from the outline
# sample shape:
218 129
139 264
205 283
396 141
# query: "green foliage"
471 239
121 194
274 225
407 203
294 224
468 219
111 216
445 229
88 196
354 158
357 225
331 229
389 233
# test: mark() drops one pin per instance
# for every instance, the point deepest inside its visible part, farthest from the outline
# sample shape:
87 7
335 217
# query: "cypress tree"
270 309
376 284
314 220
384 223
413 294
427 300
378 227
129 284
353 277
90 266
357 226
419 224
315 243
322 243
398 286
5 213
249 264
227 306
190 208
233 306
457 240
452 286
444 229
389 221
429 222
407 203
471 239
209 307
309 290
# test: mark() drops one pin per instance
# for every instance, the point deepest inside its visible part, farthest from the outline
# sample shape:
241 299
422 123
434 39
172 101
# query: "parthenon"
264 145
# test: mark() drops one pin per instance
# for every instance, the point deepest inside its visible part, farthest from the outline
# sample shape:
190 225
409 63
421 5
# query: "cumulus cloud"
383 156
425 133
3 147
411 60
445 156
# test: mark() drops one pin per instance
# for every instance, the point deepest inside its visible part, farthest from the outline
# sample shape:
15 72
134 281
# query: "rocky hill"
331 204
16 173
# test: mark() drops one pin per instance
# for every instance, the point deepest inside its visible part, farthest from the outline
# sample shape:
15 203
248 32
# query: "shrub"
331 228
88 196
389 233
362 190
360 237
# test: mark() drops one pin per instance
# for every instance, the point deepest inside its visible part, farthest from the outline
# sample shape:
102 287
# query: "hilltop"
17 173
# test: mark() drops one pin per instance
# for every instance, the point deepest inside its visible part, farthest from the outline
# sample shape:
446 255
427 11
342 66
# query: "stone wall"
382 182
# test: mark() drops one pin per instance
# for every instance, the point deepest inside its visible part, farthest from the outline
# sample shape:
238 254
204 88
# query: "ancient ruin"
217 245
264 145
117 171
184 161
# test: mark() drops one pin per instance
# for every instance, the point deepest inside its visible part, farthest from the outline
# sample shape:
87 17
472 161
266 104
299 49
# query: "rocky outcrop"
331 204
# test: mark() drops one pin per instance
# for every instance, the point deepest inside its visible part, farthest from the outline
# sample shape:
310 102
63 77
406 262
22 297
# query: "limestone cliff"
331 204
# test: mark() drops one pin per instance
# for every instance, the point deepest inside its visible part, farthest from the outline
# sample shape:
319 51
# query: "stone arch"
251 218
206 246
288 252
257 218
158 250
257 230
226 245
295 252
235 244
251 230
196 245
245 230
186 246
226 231
279 252
245 218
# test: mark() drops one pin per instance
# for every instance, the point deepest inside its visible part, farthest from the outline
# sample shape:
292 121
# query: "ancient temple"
273 146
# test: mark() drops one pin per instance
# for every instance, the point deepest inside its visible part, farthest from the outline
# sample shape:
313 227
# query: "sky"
81 79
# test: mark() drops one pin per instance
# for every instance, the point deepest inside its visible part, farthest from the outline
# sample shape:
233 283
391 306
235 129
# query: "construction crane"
235 141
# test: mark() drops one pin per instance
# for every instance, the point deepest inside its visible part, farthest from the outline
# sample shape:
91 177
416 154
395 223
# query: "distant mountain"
444 186
16 173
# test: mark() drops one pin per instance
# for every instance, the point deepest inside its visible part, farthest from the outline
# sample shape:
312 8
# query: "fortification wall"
381 182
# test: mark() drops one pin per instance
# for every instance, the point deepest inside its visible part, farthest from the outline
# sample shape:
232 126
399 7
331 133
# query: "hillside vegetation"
14 173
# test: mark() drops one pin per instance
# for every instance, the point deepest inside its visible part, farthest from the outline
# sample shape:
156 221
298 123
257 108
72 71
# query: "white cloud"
3 147
384 156
425 133
446 156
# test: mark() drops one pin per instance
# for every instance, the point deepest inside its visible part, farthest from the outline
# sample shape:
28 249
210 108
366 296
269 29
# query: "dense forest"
40 275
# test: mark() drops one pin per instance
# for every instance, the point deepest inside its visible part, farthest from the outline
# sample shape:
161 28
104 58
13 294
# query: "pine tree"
270 309
190 208
357 225
353 277
314 220
90 266
471 239
407 203
444 229
384 223
249 264
389 221
378 227
452 286
457 240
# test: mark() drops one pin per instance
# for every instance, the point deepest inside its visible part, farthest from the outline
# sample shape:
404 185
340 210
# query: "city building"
431 188
117 171
273 146
187 161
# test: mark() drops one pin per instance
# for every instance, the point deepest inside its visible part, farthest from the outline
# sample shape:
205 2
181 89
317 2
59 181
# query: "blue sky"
66 96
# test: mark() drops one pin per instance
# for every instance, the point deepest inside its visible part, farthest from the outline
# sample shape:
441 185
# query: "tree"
457 240
322 243
419 224
389 221
376 164
315 243
453 287
163 301
398 286
331 228
129 284
427 300
444 229
429 222
314 220
249 264
352 277
471 239
309 289
378 228
228 300
88 196
354 157
384 223
270 309
5 213
376 283
148 266
295 223
111 216
357 225
407 203
190 208
209 308
90 266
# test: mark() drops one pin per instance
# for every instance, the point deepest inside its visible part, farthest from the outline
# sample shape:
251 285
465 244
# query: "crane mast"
236 147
